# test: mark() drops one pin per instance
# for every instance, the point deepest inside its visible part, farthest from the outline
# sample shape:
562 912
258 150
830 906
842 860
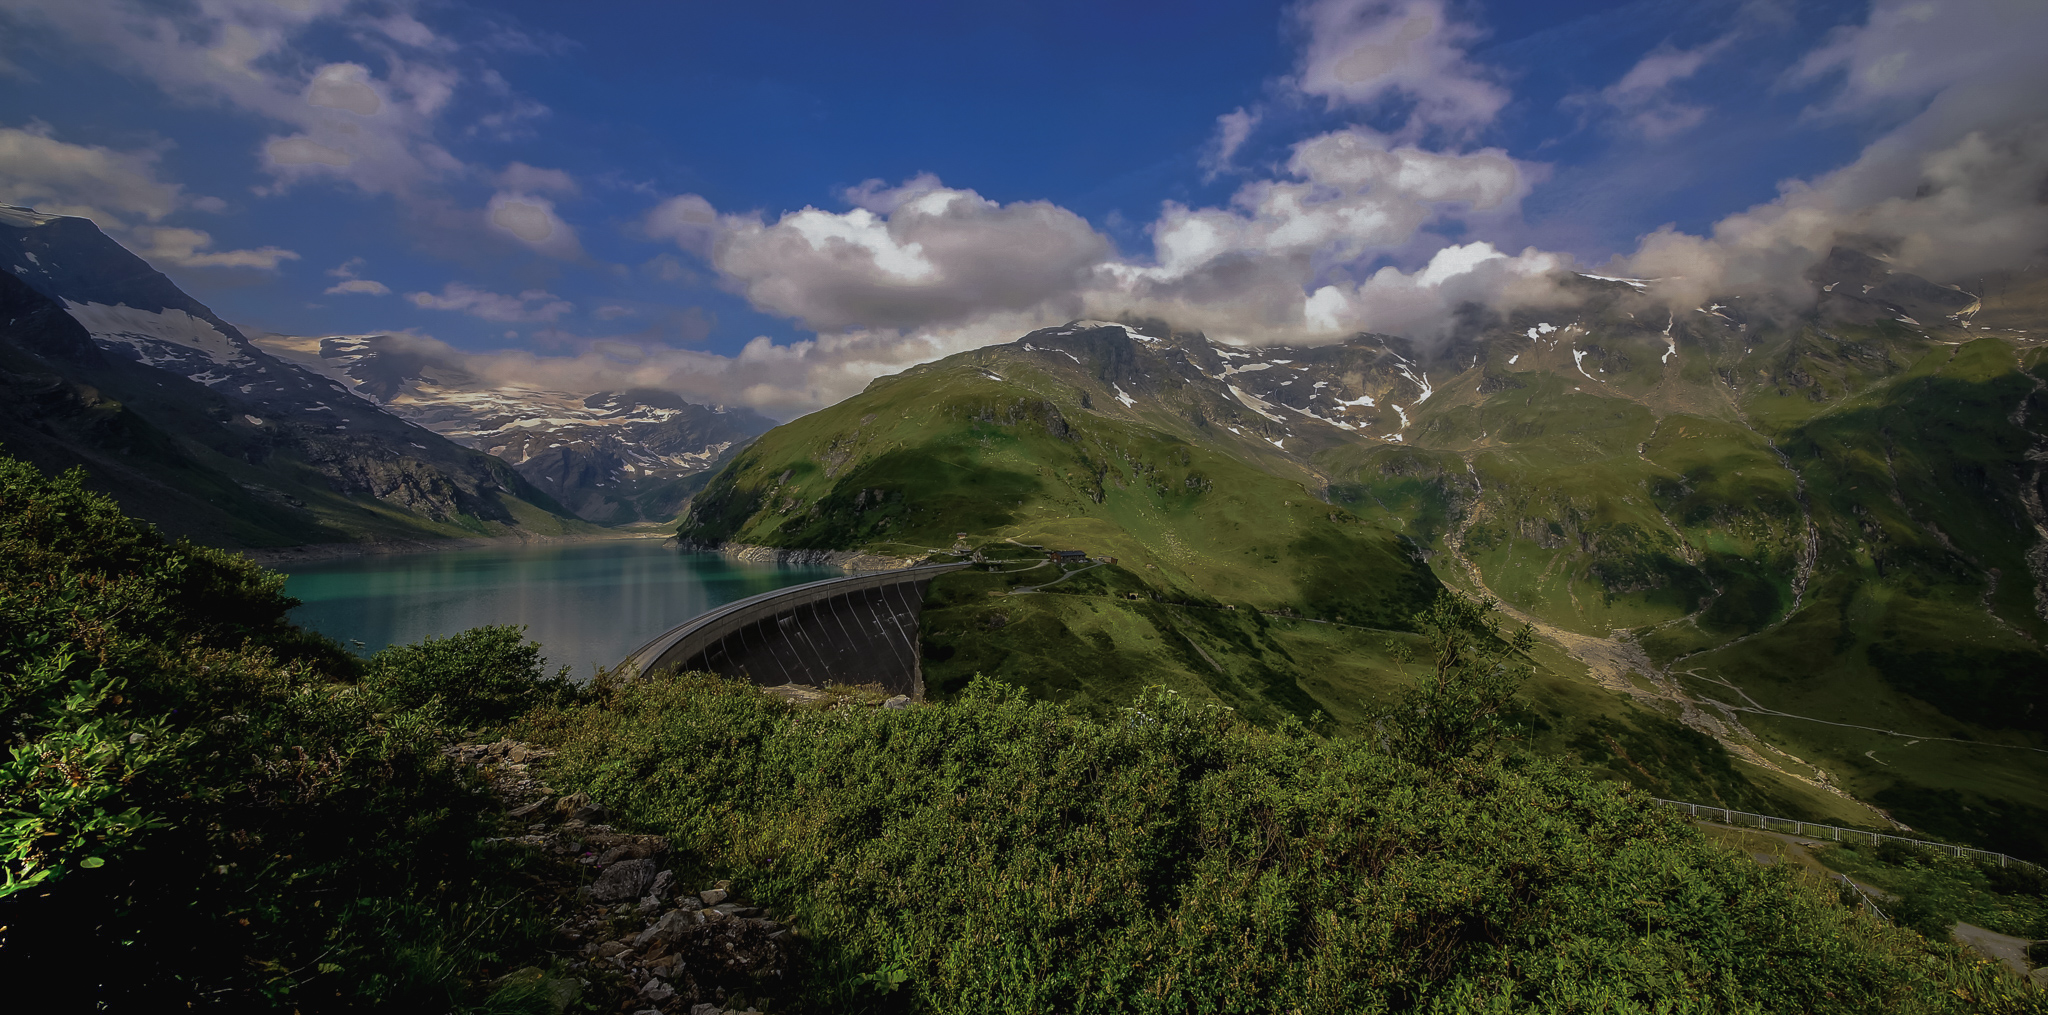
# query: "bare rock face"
623 880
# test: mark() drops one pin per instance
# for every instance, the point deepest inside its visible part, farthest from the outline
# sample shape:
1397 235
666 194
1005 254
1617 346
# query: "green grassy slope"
1831 540
1782 558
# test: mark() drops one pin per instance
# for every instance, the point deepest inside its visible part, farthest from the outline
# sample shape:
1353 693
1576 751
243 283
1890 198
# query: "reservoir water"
588 604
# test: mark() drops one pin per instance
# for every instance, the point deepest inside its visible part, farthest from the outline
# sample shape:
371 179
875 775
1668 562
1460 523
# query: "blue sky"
772 203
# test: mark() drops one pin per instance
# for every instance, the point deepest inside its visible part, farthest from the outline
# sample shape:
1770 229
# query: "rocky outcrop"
635 938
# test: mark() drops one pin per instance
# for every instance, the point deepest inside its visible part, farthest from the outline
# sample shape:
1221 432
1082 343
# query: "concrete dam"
861 629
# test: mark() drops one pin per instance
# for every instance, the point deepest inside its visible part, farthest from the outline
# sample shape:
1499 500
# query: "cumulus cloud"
521 178
1954 189
1242 272
529 306
115 189
689 221
1363 52
532 221
1420 303
917 255
110 187
346 123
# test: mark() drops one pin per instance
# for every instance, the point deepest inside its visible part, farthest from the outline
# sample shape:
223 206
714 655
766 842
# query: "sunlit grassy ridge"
1822 516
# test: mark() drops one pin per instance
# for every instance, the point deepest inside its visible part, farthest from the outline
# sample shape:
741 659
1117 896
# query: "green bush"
480 676
1461 706
2016 879
995 854
199 805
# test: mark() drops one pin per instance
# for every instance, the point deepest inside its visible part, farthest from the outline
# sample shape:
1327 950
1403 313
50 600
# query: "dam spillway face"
861 629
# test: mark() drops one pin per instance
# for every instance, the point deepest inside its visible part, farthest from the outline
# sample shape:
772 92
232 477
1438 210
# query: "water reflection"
588 604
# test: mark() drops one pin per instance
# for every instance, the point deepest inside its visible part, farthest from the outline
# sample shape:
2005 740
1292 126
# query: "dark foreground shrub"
198 807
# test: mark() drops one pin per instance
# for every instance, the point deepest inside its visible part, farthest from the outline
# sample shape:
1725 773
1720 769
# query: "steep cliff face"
192 426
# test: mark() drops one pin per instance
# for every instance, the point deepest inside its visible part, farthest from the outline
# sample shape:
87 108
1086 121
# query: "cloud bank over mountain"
1372 186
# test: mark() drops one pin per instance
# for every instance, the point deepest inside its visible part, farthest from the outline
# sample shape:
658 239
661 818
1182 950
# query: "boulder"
626 879
664 929
664 882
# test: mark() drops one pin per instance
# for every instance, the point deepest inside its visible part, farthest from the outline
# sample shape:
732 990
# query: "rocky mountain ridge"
611 456
241 447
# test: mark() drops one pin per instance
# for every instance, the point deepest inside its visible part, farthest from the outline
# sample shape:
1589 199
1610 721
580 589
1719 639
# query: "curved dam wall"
861 629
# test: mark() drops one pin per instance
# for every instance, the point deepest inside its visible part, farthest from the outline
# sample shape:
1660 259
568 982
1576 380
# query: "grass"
1823 522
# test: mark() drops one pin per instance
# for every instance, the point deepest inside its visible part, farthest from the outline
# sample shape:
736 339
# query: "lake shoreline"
275 557
588 602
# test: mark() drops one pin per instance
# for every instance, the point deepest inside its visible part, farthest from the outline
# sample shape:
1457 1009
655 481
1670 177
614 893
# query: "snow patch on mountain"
1421 382
1255 403
1578 360
165 339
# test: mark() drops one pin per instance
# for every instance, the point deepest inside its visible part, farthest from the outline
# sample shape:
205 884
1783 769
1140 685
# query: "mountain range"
1790 558
282 442
609 456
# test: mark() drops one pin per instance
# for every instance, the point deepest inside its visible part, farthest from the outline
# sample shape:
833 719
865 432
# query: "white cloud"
1952 190
531 305
532 221
186 248
1363 52
915 256
110 187
352 283
1232 130
374 129
1421 304
521 178
688 221
1642 99
1241 272
113 189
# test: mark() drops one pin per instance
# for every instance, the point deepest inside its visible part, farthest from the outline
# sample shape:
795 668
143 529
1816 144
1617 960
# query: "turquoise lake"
588 604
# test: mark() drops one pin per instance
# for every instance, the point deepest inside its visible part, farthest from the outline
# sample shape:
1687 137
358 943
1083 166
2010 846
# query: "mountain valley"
267 443
1791 559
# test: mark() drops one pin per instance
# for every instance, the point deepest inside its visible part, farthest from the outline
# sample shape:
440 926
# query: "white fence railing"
1765 822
